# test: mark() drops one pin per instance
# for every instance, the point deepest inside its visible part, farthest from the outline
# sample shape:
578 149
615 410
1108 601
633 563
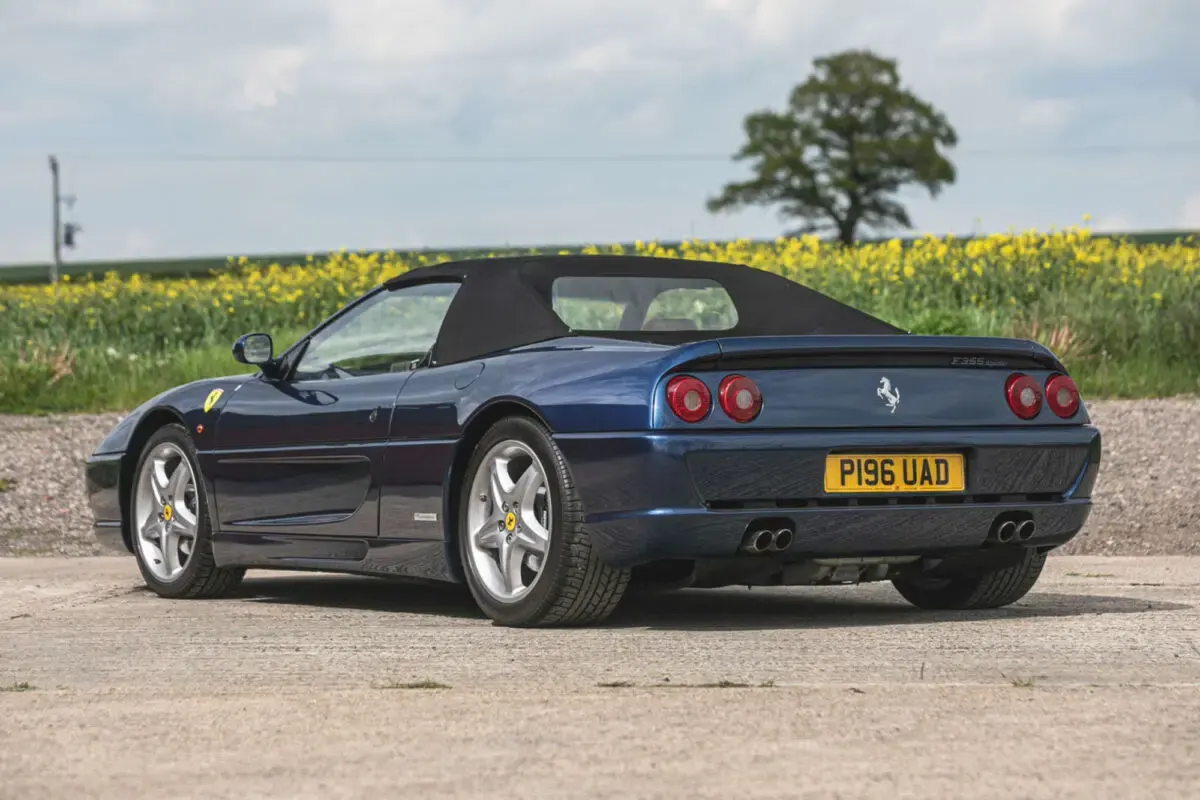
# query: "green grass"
90 381
47 380
1110 351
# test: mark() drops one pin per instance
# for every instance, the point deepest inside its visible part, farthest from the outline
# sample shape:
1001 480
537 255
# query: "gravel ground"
43 507
1147 496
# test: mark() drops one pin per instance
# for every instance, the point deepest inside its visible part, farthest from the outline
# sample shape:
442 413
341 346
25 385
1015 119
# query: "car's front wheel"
169 525
527 559
989 587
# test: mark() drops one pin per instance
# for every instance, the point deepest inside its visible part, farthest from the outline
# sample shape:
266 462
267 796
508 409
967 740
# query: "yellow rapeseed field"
1090 298
1007 273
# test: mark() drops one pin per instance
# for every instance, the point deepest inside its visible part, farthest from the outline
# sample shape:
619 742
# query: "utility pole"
56 267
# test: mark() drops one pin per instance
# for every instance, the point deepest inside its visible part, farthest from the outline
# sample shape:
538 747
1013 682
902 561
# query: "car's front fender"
197 405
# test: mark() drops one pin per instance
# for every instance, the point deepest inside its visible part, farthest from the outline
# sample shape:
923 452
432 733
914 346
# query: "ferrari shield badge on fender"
212 399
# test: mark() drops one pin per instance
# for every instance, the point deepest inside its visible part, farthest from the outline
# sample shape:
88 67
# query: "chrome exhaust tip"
759 541
1025 531
782 539
1006 532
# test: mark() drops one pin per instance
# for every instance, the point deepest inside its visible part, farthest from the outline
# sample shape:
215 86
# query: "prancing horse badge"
888 394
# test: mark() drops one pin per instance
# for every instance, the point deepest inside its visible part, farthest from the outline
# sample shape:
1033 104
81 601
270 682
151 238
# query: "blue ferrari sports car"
554 430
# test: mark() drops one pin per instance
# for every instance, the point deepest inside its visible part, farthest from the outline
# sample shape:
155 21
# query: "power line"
209 158
1160 148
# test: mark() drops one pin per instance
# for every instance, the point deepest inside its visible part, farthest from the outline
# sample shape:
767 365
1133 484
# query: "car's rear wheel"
980 588
169 526
527 559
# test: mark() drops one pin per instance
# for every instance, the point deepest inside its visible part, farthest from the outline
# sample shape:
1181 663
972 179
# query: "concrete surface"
1088 688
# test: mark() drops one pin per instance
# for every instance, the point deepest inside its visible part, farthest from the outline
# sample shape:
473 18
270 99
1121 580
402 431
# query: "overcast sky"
120 88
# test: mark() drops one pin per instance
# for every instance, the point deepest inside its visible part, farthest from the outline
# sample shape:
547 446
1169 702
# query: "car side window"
392 331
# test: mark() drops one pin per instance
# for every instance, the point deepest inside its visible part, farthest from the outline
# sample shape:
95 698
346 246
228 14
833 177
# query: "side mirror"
255 349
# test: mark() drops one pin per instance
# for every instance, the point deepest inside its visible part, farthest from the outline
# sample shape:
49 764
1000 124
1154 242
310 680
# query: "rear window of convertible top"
642 303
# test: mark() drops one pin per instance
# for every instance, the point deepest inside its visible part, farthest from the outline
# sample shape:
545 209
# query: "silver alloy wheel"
508 521
166 511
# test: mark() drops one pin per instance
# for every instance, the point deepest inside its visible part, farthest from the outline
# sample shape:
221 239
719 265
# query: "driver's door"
303 454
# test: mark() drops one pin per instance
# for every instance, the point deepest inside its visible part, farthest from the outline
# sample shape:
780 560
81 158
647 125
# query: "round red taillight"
688 398
739 398
1024 396
1061 396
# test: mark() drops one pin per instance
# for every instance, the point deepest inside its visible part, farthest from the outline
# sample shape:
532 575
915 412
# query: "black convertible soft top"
508 302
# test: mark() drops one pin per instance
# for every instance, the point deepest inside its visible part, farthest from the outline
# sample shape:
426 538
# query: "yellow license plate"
931 472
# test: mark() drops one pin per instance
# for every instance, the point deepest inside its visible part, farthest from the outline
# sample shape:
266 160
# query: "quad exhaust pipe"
761 539
767 540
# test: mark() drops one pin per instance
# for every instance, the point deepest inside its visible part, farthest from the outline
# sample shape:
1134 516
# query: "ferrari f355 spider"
552 430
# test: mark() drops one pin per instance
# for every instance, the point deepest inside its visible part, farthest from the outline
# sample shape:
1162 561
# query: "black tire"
200 577
987 588
575 587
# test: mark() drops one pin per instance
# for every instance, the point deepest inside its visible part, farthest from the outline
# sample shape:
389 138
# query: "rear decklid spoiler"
775 352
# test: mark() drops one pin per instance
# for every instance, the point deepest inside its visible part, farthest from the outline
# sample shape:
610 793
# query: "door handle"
374 414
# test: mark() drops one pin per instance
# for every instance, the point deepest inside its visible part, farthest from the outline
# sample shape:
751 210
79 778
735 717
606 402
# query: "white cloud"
90 14
1085 32
271 74
771 22
412 62
1046 114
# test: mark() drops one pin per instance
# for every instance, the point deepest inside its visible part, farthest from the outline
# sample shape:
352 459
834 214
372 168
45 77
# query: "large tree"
850 139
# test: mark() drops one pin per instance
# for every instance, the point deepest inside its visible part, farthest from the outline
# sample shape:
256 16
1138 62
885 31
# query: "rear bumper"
827 532
682 495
